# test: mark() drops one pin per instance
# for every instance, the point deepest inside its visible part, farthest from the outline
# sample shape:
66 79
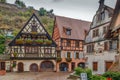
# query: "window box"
28 41
68 59
59 59
39 41
47 42
19 41
15 54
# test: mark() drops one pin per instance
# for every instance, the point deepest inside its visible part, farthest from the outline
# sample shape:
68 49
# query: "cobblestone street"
35 76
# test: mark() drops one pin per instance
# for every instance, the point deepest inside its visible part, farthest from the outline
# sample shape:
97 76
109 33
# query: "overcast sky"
79 9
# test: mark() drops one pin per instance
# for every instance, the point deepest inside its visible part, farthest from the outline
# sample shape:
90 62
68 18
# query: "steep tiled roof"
78 27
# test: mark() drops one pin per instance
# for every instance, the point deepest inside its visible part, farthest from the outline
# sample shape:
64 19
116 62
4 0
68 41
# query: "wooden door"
20 67
2 65
47 66
73 66
108 65
34 67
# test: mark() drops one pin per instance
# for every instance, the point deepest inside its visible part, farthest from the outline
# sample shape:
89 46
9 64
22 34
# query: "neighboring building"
69 35
115 34
99 50
33 49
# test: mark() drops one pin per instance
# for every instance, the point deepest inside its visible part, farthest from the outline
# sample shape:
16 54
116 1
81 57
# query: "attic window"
102 16
68 31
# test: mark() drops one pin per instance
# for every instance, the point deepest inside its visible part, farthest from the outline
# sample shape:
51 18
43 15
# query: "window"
68 43
58 54
102 16
90 48
77 55
31 49
68 31
95 66
104 30
68 54
34 26
105 45
76 43
95 32
48 50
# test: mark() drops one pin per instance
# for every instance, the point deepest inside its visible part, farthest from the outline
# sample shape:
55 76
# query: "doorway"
20 67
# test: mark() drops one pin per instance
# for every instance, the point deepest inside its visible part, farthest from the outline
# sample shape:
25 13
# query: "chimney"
101 2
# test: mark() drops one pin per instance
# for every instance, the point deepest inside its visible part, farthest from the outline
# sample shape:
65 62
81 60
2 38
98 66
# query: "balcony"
36 56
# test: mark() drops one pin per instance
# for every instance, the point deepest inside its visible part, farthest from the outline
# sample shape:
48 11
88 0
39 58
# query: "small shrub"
96 77
79 70
113 75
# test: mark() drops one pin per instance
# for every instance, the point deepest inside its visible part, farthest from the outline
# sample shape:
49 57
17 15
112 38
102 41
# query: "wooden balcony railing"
4 56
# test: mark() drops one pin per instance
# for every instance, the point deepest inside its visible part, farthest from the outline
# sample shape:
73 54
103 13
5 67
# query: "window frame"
95 66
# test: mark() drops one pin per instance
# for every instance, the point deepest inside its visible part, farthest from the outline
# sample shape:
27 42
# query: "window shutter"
74 54
66 55
70 55
79 55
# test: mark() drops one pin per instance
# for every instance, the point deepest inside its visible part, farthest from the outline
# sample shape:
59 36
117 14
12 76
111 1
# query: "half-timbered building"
33 49
69 36
100 51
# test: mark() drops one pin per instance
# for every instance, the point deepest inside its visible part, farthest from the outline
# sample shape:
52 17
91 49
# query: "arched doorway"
20 67
47 66
34 67
82 65
63 67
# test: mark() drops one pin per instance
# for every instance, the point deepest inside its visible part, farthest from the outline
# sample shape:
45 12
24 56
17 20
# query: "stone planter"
2 72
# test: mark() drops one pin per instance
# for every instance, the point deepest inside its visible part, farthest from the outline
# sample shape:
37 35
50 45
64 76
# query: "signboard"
83 76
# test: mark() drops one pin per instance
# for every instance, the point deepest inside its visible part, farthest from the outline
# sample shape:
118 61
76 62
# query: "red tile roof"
78 27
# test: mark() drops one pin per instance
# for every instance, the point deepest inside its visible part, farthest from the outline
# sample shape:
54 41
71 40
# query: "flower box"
28 41
48 42
19 41
68 59
39 41
15 54
59 59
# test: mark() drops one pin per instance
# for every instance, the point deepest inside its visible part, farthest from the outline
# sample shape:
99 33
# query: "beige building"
100 51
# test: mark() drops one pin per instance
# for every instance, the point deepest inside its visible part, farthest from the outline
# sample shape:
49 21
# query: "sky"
78 9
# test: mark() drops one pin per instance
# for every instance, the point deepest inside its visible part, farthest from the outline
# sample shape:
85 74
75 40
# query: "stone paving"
35 76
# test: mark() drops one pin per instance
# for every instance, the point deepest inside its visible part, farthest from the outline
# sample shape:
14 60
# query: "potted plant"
59 59
28 41
68 59
13 65
15 54
19 41
39 41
